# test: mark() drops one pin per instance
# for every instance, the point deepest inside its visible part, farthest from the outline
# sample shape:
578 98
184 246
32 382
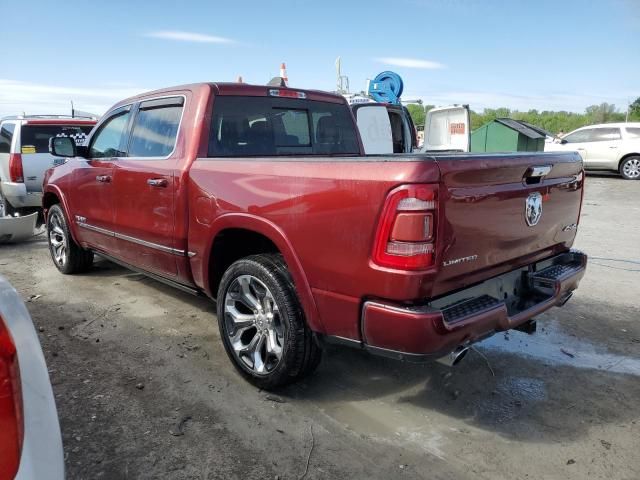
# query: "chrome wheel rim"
3 208
631 168
253 324
57 240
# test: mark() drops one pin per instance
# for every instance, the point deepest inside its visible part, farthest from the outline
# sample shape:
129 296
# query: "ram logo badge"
533 209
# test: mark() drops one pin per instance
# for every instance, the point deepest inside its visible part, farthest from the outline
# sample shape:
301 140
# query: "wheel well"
627 156
233 244
49 199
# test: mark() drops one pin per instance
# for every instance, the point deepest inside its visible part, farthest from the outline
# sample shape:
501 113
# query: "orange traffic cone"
283 73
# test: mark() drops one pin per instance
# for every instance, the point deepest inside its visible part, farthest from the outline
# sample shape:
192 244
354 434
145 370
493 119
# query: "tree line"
554 122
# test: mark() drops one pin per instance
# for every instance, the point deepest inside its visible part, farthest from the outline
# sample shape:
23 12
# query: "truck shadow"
522 387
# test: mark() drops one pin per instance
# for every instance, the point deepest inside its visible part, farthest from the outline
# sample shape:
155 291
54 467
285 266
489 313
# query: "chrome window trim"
175 143
138 241
97 128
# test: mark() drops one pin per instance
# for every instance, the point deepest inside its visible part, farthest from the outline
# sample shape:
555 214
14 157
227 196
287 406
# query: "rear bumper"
18 196
428 331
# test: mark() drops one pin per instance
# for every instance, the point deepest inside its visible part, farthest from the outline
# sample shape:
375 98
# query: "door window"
110 139
605 134
6 135
580 136
155 128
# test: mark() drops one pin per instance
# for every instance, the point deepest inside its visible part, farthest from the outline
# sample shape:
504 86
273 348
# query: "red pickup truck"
261 198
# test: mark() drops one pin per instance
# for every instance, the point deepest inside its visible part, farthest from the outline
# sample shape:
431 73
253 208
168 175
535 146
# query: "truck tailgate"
499 211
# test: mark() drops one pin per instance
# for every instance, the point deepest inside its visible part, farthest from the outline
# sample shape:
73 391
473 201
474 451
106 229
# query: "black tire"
630 168
67 255
8 209
299 352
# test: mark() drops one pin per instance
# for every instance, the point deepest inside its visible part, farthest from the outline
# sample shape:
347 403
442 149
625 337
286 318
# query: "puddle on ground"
556 347
379 421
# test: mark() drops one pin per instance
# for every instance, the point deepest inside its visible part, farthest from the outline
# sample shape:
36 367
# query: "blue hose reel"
386 88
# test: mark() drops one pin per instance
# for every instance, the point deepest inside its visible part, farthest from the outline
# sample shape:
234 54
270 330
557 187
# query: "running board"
167 281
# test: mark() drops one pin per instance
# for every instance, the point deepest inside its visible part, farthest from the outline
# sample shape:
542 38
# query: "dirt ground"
144 388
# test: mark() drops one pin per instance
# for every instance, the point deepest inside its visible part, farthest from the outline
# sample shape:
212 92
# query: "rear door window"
605 134
6 136
155 128
35 138
266 126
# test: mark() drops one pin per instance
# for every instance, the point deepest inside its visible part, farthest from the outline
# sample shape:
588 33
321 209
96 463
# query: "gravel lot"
145 390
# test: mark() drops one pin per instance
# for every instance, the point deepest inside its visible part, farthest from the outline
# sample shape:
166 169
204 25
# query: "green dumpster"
507 135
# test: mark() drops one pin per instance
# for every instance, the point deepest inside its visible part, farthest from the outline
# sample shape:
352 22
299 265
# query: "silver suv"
610 146
24 156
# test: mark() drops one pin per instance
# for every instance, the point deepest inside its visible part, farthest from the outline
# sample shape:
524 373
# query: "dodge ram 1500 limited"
262 199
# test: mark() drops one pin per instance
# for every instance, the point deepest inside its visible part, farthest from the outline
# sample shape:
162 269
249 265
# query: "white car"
610 146
24 156
30 440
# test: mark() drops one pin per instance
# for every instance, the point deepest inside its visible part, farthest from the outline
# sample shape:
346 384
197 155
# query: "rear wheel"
6 208
67 255
630 168
262 324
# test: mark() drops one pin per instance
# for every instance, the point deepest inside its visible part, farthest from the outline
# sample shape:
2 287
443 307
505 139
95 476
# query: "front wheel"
630 168
67 255
262 324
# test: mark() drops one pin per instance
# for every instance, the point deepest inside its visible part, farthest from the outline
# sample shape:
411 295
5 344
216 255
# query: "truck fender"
271 231
55 190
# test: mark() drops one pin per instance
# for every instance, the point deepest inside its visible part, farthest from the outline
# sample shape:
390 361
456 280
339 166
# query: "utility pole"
628 106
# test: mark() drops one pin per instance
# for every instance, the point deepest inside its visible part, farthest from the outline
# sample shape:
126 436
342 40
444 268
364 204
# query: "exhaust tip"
453 358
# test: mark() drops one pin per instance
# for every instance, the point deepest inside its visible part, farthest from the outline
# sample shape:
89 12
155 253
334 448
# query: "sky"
519 54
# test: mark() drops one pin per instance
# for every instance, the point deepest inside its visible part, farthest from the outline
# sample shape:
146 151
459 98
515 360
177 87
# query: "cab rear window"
265 126
35 138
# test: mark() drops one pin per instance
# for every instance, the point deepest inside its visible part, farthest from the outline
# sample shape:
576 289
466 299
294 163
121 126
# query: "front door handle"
158 182
103 178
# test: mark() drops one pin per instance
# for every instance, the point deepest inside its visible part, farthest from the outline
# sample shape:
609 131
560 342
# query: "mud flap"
17 229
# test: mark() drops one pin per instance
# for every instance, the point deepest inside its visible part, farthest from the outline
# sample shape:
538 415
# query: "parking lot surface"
145 390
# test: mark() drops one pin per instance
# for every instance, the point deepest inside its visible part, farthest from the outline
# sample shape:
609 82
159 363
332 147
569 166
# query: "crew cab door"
144 187
91 197
447 128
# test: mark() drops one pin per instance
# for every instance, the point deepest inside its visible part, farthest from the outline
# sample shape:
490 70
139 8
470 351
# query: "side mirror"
563 141
62 146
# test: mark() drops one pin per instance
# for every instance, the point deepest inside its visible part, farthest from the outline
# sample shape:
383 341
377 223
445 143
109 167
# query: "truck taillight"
406 233
11 414
15 168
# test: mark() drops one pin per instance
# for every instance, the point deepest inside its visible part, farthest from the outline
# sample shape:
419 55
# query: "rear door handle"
103 178
613 146
158 182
